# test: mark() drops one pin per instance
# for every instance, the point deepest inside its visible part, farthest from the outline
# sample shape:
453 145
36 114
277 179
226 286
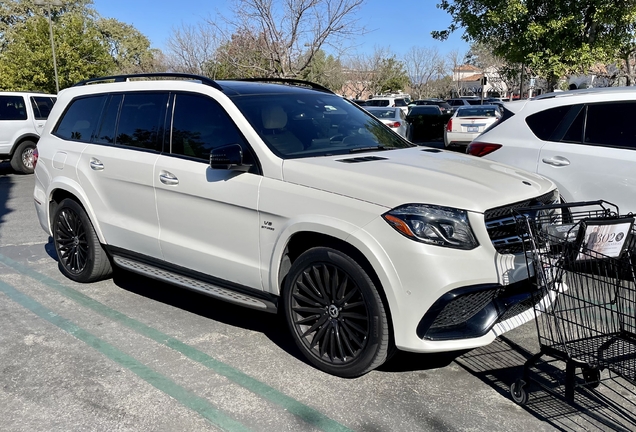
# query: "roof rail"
289 81
127 77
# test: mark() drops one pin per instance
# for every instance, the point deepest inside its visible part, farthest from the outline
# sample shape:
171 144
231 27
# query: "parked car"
468 122
393 118
426 123
360 102
22 117
584 140
282 195
441 103
389 101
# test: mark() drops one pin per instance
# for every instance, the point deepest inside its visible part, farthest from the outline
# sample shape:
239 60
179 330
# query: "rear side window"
42 106
141 120
611 124
79 122
543 124
12 108
400 103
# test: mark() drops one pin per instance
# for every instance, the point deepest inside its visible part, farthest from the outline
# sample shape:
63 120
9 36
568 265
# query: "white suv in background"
22 118
584 140
279 194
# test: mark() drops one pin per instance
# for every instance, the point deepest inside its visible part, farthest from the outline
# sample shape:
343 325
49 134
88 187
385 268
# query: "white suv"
22 118
584 140
283 195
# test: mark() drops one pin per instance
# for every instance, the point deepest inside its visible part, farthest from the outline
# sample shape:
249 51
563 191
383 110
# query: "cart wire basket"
581 258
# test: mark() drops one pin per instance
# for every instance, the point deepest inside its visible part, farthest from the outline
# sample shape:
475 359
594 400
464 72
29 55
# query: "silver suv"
283 195
22 117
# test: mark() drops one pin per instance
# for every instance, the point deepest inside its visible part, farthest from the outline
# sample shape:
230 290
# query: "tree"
553 37
243 56
86 46
191 48
294 31
26 62
129 48
424 66
325 70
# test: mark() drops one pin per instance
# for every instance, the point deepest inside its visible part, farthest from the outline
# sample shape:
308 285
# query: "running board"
212 290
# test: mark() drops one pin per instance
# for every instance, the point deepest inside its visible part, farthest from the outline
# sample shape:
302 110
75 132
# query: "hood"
418 175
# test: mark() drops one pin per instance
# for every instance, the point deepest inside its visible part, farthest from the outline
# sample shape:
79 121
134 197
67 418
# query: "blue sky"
398 25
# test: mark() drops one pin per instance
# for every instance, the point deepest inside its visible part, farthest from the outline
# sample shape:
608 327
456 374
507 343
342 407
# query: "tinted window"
401 103
106 134
79 122
42 106
424 109
611 124
201 124
574 133
544 123
12 108
141 120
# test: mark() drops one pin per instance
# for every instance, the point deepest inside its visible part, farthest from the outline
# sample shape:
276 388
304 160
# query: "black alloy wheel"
335 313
80 254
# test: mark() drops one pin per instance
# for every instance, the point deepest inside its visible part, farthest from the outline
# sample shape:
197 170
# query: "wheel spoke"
330 315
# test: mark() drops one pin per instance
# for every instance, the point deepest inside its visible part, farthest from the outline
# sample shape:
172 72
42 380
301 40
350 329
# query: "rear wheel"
22 159
335 313
79 252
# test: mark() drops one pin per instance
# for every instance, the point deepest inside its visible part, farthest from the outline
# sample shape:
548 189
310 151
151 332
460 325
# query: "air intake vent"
362 159
432 150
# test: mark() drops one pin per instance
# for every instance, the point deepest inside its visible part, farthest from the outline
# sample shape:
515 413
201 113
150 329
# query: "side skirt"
209 288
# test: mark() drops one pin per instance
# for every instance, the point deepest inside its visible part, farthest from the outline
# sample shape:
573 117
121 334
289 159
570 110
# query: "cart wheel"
592 377
518 393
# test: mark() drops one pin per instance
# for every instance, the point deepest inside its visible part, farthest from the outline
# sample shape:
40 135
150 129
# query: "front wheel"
335 313
79 252
22 159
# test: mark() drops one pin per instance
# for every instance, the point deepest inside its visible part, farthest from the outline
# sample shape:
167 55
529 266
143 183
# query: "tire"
518 393
22 159
81 257
335 313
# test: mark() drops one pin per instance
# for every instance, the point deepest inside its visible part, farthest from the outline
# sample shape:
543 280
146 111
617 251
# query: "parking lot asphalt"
132 354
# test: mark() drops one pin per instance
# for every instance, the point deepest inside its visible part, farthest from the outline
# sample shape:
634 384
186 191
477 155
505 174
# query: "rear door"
116 169
595 157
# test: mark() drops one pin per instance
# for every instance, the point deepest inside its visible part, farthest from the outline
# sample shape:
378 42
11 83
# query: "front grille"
501 224
463 308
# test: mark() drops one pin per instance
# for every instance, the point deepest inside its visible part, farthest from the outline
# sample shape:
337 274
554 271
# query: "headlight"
440 226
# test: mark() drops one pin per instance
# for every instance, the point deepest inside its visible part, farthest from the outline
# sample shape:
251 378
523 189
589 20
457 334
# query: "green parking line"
155 379
305 413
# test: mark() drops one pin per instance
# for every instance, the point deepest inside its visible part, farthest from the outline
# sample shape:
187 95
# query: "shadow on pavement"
611 406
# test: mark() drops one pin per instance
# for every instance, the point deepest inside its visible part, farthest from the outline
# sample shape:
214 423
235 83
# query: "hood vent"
432 150
362 159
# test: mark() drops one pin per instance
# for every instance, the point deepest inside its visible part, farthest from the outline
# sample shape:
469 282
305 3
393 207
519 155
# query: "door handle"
168 178
556 161
96 164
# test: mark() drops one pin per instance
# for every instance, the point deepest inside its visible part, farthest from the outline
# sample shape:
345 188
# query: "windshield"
315 124
383 113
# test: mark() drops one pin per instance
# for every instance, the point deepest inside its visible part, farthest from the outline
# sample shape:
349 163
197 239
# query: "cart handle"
602 203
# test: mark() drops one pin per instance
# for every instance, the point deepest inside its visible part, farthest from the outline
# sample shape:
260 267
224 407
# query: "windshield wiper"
367 149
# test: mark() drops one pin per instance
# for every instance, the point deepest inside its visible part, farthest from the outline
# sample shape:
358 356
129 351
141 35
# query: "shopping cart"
580 258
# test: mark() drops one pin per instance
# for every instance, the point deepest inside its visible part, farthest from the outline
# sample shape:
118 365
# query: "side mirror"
229 157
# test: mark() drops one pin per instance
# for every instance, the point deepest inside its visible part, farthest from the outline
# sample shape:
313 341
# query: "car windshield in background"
305 125
482 111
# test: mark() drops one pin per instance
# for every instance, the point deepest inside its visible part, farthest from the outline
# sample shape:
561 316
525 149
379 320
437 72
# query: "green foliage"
85 46
325 70
390 76
553 37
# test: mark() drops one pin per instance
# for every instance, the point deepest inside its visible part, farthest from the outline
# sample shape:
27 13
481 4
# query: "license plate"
473 129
